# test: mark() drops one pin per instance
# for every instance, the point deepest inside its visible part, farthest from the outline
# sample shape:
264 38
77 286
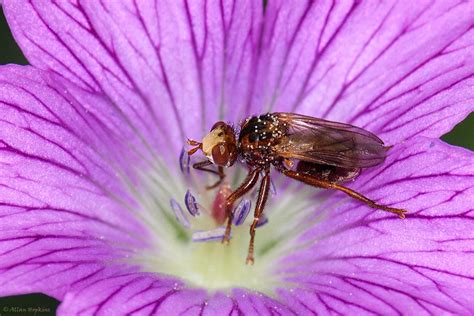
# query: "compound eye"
218 124
221 154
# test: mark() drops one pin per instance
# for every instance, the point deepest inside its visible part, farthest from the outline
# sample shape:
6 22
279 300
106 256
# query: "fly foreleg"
203 166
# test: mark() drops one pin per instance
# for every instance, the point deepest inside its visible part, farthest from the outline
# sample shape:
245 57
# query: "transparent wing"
330 143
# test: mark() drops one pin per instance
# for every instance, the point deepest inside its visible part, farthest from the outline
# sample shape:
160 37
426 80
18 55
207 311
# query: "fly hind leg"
261 200
311 180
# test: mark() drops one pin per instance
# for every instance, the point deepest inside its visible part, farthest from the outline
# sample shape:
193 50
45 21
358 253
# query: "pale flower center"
212 265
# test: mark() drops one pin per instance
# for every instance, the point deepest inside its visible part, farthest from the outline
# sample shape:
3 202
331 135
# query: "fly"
320 153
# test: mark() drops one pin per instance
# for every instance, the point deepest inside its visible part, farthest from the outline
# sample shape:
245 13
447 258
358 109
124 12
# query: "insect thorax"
257 137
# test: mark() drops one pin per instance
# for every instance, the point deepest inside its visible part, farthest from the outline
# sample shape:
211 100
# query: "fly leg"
261 200
220 172
245 187
308 179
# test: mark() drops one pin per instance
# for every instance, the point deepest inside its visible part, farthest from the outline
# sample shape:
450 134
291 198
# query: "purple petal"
62 204
132 293
411 63
397 68
59 37
191 204
369 261
242 211
209 235
158 62
143 293
246 303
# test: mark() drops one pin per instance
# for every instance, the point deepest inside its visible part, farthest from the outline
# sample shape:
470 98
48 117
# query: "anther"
262 221
209 235
191 204
241 212
184 162
179 213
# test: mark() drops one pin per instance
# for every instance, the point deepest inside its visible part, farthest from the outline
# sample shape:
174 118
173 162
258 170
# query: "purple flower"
90 136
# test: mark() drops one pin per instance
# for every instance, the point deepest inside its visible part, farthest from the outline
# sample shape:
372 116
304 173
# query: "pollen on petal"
241 212
179 213
184 161
191 203
209 235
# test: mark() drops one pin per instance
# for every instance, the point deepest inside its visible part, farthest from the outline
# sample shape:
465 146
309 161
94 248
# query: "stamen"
273 190
191 204
262 221
241 212
179 214
184 161
209 235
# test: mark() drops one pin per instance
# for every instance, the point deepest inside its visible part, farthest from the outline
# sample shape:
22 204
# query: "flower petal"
396 68
159 62
142 293
62 201
366 260
131 293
